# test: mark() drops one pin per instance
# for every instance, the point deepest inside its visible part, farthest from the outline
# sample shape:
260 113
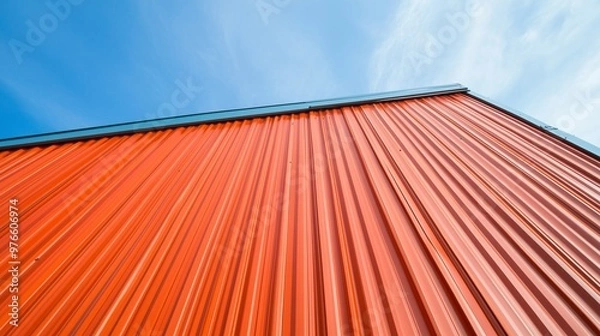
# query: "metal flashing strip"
221 115
570 139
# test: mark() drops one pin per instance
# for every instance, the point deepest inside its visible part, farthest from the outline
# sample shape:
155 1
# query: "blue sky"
67 64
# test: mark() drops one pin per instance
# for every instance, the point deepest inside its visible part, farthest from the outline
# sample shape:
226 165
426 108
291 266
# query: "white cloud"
390 66
258 63
529 55
276 62
574 102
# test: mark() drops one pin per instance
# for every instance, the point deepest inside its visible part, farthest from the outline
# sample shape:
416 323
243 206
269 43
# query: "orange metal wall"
431 215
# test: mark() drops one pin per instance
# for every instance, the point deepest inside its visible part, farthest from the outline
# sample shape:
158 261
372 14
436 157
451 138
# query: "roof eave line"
220 116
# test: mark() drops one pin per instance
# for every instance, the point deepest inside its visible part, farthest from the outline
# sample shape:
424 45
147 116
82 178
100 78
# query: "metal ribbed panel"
432 215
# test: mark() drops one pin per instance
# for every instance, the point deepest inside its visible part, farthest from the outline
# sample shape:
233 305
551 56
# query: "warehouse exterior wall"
429 215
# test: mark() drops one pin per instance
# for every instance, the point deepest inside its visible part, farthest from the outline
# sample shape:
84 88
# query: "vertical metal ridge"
432 215
430 234
418 224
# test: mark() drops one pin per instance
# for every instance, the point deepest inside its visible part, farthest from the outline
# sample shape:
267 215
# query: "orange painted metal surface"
437 215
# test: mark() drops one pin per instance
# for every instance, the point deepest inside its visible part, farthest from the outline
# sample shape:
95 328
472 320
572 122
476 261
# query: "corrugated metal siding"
432 215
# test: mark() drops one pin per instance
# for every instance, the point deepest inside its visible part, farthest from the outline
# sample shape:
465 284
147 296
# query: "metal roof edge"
568 138
221 115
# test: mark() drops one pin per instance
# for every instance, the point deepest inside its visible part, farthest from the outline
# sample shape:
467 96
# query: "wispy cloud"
245 61
538 57
279 58
535 57
46 110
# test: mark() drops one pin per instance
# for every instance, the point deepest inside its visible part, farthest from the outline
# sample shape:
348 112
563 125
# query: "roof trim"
221 115
280 109
570 139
